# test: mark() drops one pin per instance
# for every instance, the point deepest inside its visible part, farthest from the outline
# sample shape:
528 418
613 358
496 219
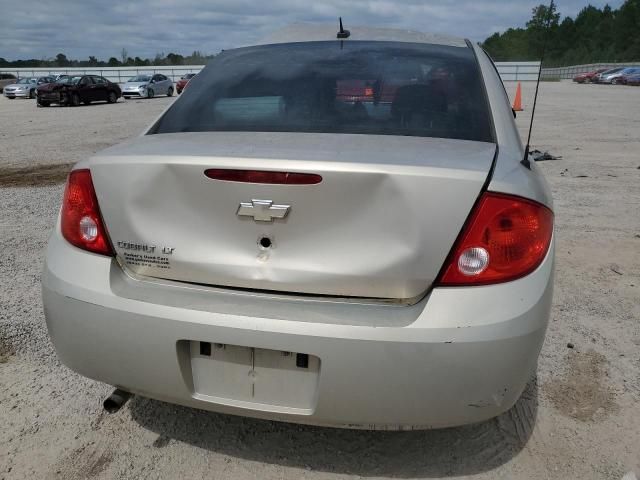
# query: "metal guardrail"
569 72
509 71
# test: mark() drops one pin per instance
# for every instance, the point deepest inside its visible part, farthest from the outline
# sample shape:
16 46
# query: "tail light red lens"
506 238
81 221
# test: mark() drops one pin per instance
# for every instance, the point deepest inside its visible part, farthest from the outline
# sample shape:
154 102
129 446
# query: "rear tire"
170 92
32 93
75 100
43 104
150 93
112 97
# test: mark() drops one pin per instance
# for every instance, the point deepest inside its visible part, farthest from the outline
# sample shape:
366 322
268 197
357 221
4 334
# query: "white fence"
114 74
573 70
518 71
509 71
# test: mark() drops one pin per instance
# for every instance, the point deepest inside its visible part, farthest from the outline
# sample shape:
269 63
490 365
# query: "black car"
77 89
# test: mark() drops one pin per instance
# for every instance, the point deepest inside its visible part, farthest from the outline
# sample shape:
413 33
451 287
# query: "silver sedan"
148 86
25 87
334 232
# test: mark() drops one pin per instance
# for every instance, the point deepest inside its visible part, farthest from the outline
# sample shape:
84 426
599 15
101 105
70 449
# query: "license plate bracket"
255 377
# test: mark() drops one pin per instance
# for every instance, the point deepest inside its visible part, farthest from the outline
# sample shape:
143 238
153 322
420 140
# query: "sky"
102 28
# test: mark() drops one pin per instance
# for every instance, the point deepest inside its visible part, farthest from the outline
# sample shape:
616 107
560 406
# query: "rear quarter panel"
509 174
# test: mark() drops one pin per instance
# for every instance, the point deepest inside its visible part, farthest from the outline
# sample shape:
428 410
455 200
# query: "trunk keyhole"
265 243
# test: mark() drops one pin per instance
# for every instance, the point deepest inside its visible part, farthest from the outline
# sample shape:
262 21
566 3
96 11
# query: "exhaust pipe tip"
116 400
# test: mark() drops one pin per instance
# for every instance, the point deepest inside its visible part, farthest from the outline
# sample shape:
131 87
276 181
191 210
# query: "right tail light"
506 238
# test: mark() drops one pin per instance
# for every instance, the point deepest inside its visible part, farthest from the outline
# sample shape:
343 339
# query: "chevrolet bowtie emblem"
262 210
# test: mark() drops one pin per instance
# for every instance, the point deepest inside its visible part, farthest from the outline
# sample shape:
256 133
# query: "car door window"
101 90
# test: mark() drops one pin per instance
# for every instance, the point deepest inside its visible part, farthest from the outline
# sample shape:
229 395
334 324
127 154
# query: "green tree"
542 29
175 59
62 60
595 35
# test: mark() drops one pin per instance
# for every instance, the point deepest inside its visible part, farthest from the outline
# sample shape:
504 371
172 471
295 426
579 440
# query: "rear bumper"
459 356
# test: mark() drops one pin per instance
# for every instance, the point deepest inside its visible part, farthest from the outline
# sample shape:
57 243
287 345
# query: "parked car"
184 80
598 77
268 248
6 79
78 89
613 77
148 86
625 74
25 87
633 79
588 76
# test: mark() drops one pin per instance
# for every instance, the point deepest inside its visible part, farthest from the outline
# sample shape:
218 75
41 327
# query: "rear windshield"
376 88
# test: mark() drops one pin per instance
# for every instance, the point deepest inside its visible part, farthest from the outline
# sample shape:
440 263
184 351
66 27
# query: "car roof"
305 32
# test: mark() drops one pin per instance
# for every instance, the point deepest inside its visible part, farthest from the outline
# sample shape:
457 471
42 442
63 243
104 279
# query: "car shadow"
410 454
92 104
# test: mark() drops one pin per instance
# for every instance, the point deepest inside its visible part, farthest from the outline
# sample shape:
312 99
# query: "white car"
25 87
148 86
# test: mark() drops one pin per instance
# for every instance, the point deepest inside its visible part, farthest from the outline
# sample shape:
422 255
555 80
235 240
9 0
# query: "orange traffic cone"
517 103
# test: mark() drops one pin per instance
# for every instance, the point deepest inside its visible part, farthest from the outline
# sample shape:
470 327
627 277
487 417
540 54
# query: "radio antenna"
525 160
342 33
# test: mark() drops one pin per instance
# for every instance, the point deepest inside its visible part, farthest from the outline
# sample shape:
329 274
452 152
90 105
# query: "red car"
588 77
78 89
183 82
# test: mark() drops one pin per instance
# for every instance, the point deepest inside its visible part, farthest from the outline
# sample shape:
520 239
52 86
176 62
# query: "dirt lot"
580 419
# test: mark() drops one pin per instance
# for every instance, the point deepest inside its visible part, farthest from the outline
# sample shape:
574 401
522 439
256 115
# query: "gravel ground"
579 419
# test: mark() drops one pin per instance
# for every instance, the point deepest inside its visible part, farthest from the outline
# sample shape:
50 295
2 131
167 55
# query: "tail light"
81 221
506 238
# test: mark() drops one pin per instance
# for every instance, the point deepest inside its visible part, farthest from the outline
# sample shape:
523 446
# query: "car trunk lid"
379 224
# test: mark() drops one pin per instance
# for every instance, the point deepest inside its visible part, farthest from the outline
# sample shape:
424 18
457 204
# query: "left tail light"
81 222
